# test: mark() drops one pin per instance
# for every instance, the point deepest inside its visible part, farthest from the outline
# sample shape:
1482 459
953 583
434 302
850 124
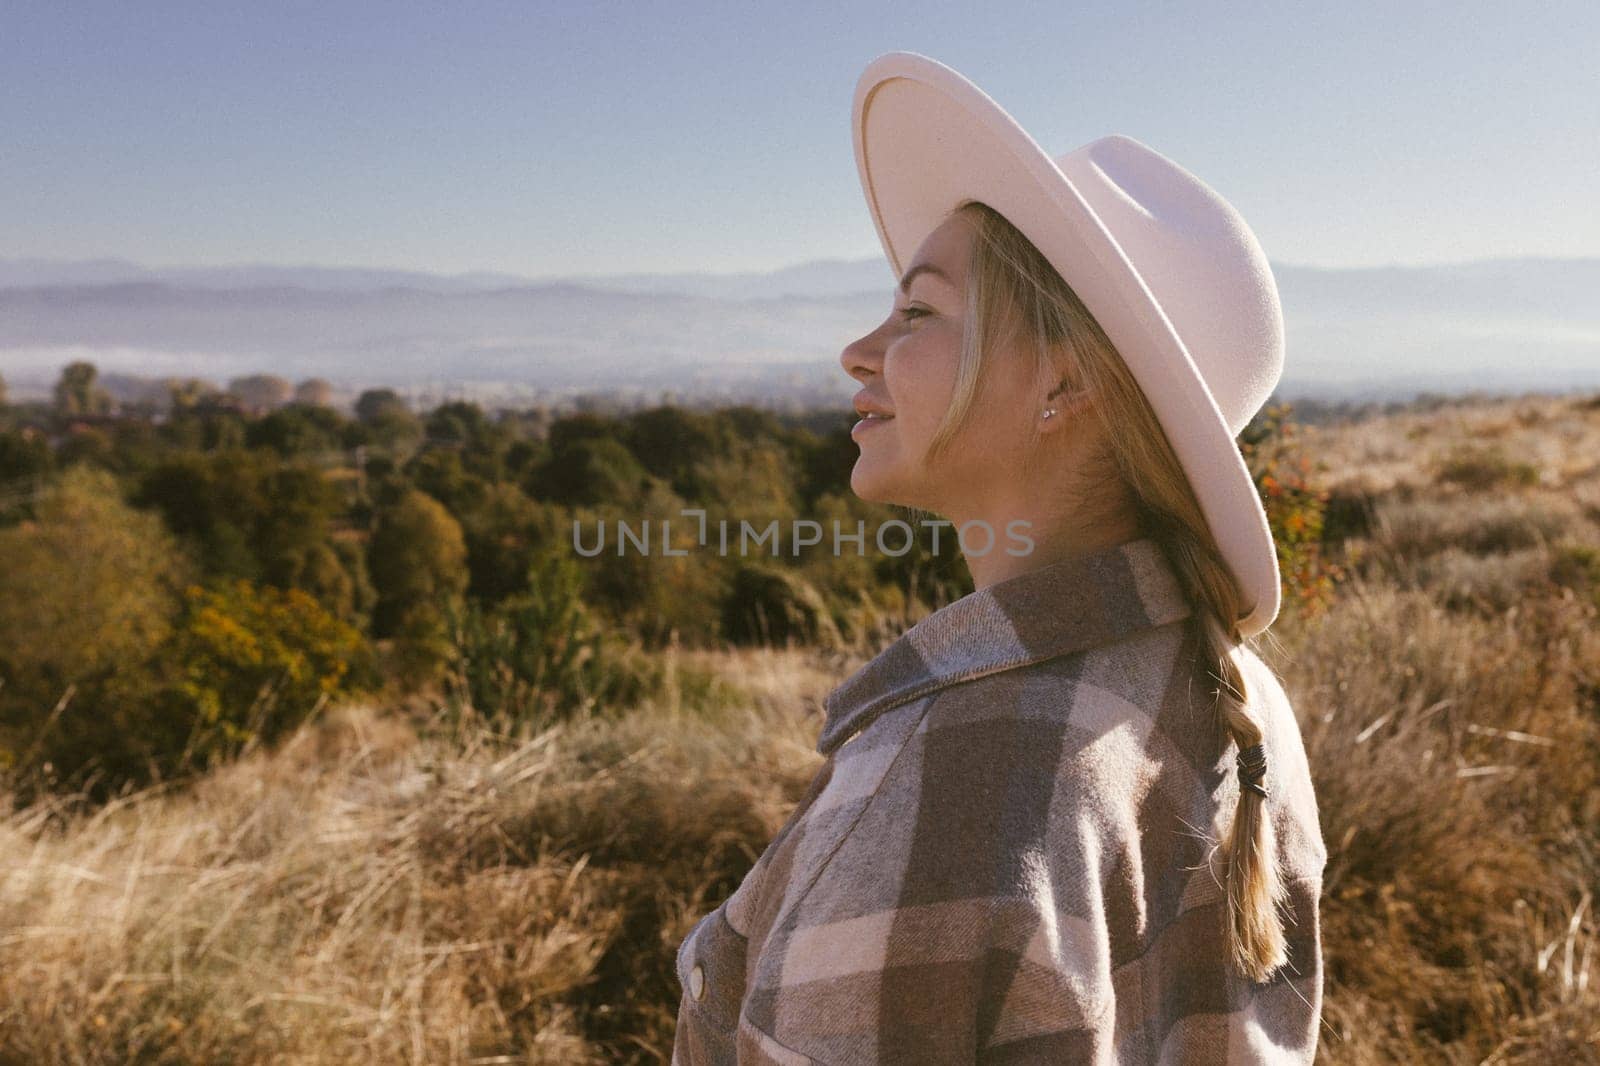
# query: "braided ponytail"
1011 286
1254 888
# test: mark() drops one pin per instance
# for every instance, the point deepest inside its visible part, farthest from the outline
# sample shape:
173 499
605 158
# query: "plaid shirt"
1003 858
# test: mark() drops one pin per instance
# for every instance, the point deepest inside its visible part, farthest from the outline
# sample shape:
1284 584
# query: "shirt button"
697 982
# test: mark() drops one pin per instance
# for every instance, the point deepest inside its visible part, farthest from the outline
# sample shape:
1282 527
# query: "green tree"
88 592
418 564
588 472
460 422
297 429
441 473
388 420
249 514
207 426
136 446
463 427
375 405
672 443
655 594
25 457
586 426
314 392
523 457
351 549
754 480
502 534
261 392
212 502
825 463
293 526
86 446
184 394
90 584
78 391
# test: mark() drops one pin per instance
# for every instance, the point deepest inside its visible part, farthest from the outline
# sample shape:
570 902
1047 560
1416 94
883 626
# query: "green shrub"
1349 513
538 656
1577 567
772 605
1484 468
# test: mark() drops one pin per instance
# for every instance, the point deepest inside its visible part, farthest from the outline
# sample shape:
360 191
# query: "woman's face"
907 368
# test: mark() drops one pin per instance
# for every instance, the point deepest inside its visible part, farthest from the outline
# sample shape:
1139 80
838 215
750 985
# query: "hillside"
387 885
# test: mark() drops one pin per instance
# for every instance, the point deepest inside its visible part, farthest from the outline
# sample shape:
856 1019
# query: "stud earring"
1049 412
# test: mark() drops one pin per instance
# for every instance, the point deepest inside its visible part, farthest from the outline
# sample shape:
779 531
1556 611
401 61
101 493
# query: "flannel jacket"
1008 854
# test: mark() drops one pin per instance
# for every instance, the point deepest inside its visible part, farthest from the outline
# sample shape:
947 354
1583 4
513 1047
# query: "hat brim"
927 139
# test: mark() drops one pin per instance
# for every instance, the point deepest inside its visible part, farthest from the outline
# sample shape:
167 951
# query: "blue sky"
597 138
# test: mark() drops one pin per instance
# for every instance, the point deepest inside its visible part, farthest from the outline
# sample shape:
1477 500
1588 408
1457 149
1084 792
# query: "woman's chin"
876 484
869 483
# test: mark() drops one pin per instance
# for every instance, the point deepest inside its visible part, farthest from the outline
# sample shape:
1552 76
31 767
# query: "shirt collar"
1053 610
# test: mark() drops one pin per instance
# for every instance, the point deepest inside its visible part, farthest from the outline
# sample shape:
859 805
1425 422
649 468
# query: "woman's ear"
1063 404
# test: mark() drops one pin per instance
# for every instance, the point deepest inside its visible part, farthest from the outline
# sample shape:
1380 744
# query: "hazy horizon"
1503 325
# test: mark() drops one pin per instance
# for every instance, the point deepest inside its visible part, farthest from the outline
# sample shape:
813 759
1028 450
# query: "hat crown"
1199 259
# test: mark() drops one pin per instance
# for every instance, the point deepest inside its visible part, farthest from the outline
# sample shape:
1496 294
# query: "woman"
1068 817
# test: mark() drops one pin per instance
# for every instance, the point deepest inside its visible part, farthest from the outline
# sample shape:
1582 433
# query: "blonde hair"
1011 287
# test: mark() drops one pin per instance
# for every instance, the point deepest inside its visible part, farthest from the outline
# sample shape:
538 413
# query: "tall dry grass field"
380 890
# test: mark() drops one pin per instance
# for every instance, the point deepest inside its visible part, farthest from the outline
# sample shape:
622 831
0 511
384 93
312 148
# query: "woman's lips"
866 425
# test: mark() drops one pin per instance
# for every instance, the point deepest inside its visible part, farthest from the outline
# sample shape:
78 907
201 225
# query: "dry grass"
1411 529
1559 437
363 895
1457 765
376 892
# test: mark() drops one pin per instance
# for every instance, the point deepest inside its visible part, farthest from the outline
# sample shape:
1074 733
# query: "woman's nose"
863 357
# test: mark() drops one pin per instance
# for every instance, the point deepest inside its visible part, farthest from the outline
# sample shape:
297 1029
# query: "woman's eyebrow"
905 282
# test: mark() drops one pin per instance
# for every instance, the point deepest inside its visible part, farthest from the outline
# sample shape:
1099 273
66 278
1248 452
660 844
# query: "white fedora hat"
1166 266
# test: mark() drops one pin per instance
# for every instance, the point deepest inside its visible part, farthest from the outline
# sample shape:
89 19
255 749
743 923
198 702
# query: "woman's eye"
912 312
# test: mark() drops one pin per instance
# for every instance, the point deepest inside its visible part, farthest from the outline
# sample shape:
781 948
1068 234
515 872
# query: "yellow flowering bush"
1295 507
253 661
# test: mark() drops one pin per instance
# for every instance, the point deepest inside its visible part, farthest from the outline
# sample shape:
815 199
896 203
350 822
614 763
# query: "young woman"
1067 818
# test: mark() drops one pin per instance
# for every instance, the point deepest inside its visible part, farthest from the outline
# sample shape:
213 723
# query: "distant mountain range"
1375 333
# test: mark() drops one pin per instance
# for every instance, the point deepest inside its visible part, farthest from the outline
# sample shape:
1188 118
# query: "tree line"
176 585
179 583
